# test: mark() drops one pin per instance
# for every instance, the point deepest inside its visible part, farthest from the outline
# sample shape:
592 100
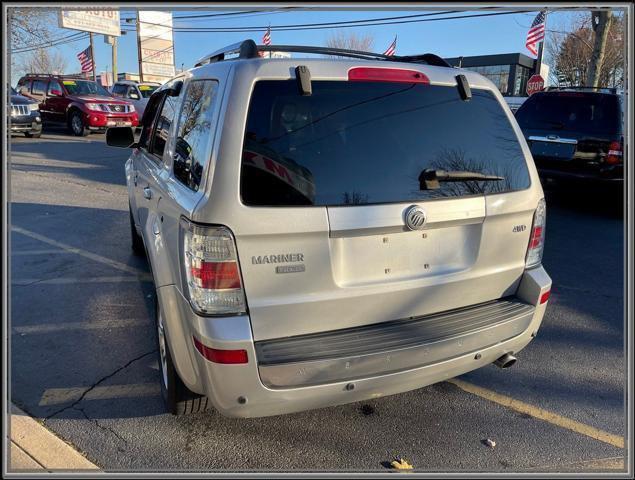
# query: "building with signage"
508 71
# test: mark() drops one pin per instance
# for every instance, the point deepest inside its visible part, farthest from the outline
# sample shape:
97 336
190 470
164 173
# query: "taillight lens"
374 74
537 236
215 355
211 269
614 155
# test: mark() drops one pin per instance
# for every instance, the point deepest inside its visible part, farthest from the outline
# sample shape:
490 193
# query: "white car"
136 93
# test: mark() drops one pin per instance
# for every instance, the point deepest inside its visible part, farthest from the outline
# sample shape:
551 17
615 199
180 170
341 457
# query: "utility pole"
114 60
92 54
601 21
540 49
139 48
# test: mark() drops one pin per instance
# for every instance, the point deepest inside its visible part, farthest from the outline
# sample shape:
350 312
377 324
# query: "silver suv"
326 230
136 93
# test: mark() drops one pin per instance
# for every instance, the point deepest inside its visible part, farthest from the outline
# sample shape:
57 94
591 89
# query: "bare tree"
570 48
351 41
41 61
30 26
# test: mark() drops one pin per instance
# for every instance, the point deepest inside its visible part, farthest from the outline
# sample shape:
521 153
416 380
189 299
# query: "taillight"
544 297
537 236
374 74
614 155
220 356
211 269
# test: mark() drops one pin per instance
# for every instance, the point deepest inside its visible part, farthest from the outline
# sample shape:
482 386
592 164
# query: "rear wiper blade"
430 178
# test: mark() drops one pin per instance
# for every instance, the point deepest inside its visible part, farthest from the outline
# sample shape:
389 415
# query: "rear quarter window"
571 111
368 142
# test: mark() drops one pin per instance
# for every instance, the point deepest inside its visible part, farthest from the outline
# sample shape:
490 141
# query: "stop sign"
535 84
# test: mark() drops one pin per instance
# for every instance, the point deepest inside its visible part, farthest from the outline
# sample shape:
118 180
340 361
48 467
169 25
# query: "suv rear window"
571 111
368 142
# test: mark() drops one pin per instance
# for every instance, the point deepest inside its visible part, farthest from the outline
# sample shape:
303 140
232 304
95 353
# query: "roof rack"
249 49
56 75
582 88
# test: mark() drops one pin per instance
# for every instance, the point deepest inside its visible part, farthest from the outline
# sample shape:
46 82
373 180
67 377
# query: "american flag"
86 59
390 51
536 32
266 38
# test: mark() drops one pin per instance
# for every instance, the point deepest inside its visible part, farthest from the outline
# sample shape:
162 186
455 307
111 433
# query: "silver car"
137 93
327 230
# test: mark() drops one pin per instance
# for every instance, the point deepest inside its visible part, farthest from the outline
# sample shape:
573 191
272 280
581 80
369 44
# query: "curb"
35 448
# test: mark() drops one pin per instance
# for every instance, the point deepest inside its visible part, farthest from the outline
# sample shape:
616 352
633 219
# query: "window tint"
196 130
119 90
162 127
54 85
85 87
24 87
571 111
147 120
369 142
39 87
147 90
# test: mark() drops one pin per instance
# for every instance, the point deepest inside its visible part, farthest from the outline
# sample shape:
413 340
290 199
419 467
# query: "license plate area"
559 151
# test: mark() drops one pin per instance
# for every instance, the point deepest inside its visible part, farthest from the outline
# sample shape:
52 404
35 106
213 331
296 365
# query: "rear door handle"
147 193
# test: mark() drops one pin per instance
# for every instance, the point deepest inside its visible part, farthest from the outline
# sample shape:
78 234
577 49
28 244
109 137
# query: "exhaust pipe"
505 361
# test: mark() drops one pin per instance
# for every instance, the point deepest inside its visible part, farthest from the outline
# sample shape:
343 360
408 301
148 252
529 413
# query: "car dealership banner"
156 46
105 22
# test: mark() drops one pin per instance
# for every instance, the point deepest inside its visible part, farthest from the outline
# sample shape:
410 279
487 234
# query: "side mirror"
56 93
134 96
121 137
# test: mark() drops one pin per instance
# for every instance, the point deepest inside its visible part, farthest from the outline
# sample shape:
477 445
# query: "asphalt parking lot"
83 355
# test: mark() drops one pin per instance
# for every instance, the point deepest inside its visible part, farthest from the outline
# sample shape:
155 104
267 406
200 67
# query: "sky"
449 38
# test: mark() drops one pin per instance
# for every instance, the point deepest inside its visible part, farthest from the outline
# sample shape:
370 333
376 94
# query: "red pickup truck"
82 105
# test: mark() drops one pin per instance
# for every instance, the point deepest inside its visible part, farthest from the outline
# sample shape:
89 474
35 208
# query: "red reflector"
220 356
536 234
545 296
373 74
614 154
217 275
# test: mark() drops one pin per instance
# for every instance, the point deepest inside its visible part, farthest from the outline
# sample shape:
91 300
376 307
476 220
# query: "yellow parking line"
78 251
57 396
539 413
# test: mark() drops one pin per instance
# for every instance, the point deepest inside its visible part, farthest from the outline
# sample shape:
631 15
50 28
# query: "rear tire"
178 399
33 135
76 124
137 242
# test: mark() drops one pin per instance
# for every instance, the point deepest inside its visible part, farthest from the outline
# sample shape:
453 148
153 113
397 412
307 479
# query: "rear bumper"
609 178
225 384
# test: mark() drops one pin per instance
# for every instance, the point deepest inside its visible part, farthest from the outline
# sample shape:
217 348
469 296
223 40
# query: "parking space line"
539 413
57 327
24 282
78 251
58 396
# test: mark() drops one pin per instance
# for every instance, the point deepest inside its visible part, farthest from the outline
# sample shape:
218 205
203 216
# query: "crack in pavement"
99 425
103 379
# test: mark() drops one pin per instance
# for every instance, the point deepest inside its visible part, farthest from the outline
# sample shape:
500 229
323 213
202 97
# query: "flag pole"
92 56
540 48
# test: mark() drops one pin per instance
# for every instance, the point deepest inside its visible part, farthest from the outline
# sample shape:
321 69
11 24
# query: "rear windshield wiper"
430 178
